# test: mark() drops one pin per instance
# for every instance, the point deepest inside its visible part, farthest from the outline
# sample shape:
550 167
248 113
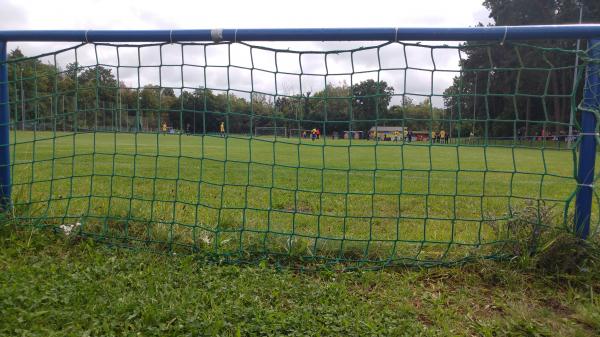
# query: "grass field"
328 199
327 202
55 286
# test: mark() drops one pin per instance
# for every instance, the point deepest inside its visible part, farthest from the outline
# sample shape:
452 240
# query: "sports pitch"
333 199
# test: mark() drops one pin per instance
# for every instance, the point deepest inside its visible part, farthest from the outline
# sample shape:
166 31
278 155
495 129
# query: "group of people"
440 137
397 136
315 133
406 135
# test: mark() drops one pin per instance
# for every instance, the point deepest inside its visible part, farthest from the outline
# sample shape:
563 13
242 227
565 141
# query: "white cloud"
12 15
178 14
139 14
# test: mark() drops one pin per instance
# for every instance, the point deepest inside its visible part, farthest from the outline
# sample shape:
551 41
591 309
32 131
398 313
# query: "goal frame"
299 132
587 145
352 132
285 131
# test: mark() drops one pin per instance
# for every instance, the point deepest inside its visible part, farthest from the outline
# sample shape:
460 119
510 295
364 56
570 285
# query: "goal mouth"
273 131
377 151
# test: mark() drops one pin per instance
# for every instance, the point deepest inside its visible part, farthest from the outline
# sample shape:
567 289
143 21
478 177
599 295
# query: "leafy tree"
33 81
371 100
422 116
487 71
100 83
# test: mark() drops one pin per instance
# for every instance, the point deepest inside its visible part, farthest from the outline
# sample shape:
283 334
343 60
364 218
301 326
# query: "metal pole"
96 107
5 183
64 123
574 91
120 109
305 110
22 103
587 147
474 103
451 118
493 33
194 113
137 114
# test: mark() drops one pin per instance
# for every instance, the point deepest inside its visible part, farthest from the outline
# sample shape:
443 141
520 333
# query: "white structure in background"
387 132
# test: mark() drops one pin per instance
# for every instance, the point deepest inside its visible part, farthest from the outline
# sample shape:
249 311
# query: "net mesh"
402 153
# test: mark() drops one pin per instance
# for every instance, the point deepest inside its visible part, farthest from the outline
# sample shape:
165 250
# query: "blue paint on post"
587 148
5 183
494 33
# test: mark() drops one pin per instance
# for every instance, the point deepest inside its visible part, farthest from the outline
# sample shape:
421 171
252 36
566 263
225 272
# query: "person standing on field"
442 136
222 129
164 128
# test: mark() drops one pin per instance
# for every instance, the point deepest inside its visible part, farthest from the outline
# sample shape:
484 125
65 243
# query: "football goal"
273 131
353 134
299 133
502 125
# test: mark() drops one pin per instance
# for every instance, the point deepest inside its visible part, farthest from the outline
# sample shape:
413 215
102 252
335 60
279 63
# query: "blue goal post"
589 108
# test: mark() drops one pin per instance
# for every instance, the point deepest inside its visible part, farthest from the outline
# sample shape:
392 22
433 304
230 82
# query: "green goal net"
402 153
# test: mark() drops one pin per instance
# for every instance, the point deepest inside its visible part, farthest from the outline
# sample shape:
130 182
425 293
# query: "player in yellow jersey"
222 129
443 136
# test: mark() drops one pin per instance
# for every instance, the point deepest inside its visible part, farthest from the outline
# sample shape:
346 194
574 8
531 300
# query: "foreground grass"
54 286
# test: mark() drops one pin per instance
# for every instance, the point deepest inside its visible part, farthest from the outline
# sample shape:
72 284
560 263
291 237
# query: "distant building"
386 131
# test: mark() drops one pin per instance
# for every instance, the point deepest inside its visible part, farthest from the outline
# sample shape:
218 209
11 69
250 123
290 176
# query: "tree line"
502 90
523 88
44 96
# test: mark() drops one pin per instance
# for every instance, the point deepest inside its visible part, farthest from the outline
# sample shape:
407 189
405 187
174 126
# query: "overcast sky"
174 14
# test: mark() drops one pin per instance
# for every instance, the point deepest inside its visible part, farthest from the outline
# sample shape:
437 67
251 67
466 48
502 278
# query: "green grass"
167 195
326 200
51 285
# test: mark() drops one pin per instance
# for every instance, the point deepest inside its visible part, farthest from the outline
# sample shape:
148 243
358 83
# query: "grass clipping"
549 248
